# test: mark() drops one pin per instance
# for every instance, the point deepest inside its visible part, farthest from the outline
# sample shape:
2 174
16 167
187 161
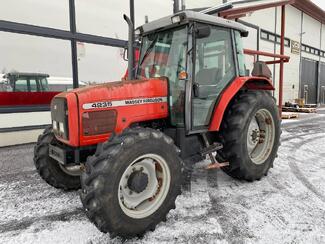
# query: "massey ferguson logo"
128 102
146 100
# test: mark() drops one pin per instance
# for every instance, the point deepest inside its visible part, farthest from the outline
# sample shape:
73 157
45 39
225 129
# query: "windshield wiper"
152 44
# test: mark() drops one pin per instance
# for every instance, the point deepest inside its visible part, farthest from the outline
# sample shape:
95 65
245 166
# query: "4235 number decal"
101 105
97 105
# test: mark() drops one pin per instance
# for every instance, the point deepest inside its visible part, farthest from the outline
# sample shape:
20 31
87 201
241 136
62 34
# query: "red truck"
25 89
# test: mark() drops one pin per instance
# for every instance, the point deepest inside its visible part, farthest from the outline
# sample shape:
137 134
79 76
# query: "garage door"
308 88
322 84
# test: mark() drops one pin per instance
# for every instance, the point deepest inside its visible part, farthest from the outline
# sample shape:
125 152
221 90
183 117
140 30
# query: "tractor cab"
199 54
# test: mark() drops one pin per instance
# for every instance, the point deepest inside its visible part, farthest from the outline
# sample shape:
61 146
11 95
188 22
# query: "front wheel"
55 174
250 133
131 183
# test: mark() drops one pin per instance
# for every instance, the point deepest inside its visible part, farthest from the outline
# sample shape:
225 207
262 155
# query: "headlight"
54 124
59 114
176 19
61 127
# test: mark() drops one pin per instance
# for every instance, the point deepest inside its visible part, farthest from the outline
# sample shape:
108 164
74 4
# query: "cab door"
213 69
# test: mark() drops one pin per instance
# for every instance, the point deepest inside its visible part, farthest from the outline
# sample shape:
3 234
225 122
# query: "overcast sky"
99 17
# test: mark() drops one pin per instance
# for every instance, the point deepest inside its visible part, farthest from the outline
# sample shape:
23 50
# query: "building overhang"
311 9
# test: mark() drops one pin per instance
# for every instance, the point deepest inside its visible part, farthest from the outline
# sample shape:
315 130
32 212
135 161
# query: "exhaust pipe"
130 47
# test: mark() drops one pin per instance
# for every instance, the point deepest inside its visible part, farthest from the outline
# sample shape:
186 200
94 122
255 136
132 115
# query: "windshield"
164 54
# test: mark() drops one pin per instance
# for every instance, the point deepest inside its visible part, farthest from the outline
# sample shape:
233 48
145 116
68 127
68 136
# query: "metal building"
304 75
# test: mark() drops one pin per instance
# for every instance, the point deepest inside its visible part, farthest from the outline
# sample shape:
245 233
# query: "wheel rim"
73 170
141 200
260 136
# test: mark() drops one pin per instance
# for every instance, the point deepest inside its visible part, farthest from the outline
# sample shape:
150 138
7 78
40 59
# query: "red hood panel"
122 90
134 101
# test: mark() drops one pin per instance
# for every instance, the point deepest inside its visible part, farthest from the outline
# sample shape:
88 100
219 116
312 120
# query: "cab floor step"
212 148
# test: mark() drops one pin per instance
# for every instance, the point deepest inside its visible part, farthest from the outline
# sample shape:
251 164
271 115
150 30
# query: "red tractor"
131 141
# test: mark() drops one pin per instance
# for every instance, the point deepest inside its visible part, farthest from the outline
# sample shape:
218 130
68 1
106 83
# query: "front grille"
59 114
98 122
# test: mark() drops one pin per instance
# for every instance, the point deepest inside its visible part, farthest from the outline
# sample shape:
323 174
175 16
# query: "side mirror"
244 34
203 31
203 91
125 54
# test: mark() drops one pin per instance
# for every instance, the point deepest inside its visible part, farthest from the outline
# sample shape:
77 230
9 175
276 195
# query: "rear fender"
250 83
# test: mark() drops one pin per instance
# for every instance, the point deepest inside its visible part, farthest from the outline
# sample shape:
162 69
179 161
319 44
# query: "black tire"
48 168
100 182
234 134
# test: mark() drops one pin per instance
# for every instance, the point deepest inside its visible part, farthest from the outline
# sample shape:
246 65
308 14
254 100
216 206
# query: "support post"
300 55
176 6
319 67
274 47
74 55
183 5
281 63
132 11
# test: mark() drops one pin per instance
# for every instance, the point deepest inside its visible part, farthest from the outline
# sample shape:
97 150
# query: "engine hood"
117 90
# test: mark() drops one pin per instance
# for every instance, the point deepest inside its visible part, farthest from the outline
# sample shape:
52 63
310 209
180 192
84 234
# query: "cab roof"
24 74
187 16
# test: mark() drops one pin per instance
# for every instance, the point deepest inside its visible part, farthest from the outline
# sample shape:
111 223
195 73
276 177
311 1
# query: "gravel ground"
287 206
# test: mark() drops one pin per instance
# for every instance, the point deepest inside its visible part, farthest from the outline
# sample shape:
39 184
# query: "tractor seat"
207 76
261 70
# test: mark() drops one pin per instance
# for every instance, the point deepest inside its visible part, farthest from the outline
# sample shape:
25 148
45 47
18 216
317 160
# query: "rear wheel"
55 174
250 133
132 182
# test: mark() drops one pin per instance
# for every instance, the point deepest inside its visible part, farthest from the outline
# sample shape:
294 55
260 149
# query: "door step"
208 150
211 148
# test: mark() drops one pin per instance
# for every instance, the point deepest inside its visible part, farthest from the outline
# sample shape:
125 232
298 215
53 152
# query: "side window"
44 84
214 59
21 85
33 85
5 86
240 54
214 69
